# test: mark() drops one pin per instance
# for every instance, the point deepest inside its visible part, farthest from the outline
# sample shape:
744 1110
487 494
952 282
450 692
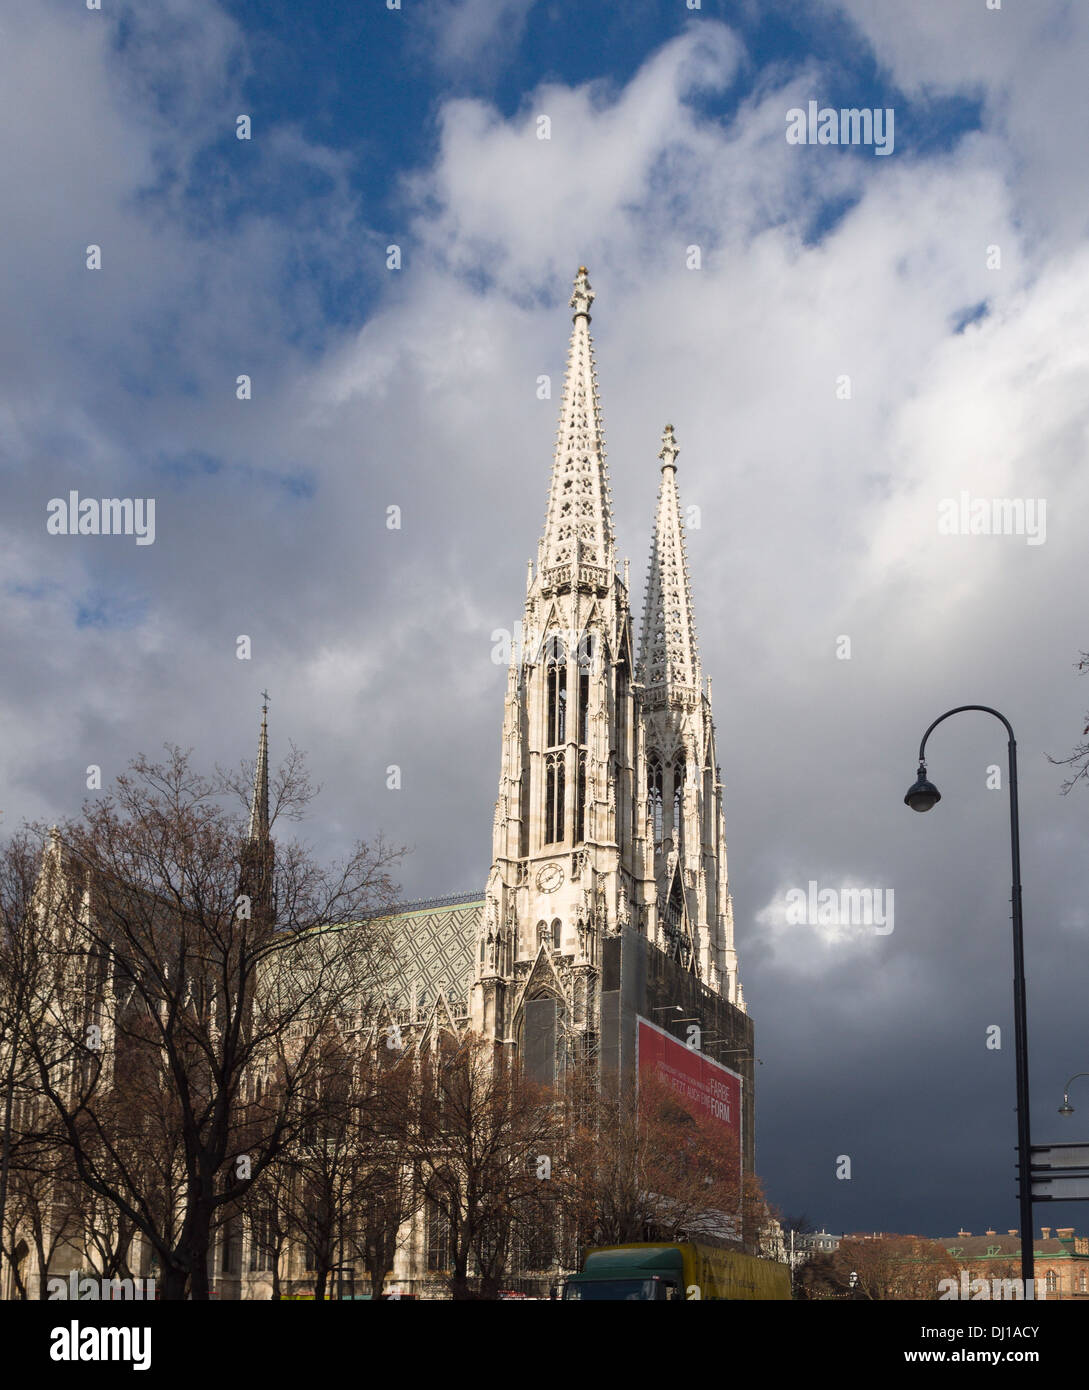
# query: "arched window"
555 790
580 801
586 662
1052 1281
556 666
438 1236
556 933
678 799
654 797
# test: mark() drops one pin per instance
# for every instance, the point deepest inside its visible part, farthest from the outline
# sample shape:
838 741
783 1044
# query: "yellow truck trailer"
666 1273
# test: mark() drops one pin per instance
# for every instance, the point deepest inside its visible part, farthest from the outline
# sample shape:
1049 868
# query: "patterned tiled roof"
434 945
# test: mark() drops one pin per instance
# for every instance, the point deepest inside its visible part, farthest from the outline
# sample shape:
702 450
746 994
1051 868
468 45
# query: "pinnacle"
579 508
670 653
259 811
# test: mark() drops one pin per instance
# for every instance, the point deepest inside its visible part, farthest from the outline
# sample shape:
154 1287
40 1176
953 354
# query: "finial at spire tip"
669 450
583 295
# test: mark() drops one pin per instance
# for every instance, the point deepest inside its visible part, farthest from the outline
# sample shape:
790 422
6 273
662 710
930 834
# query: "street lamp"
921 797
1066 1108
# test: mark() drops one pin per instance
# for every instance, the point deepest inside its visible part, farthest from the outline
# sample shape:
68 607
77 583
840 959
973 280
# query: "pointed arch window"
654 798
555 790
438 1235
556 668
586 664
679 771
580 801
557 933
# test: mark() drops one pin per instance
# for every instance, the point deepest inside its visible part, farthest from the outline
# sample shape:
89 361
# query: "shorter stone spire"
259 824
669 657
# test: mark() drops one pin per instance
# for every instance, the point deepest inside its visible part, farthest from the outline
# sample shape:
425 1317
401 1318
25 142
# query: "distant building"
806 1244
1062 1259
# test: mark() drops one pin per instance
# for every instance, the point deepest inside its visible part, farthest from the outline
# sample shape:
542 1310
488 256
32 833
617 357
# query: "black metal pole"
1020 1014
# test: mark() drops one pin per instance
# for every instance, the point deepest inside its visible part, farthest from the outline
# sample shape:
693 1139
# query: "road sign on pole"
1046 1156
1065 1189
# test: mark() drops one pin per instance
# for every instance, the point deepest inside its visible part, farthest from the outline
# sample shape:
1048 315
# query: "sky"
859 338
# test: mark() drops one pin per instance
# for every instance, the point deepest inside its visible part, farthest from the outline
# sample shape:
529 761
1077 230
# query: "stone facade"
609 818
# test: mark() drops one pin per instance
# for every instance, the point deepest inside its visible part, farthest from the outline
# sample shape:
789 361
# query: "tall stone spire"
569 863
579 524
669 659
259 825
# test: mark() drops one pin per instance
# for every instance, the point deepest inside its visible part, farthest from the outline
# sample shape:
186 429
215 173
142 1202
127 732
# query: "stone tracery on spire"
579 524
670 654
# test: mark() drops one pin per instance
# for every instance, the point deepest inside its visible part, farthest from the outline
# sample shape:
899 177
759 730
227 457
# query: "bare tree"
387 1192
193 958
29 987
1078 759
891 1267
639 1165
476 1131
44 1203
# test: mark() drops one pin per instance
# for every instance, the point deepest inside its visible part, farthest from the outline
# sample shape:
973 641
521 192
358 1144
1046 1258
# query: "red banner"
706 1089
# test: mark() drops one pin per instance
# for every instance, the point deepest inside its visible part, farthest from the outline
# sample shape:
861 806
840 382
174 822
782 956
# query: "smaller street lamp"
1066 1108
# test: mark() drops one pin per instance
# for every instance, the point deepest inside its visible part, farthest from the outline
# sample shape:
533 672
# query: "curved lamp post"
1066 1108
921 797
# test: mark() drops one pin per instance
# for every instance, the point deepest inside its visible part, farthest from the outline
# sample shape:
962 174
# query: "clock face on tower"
550 878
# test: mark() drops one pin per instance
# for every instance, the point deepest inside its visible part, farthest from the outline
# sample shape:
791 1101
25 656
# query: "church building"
608 899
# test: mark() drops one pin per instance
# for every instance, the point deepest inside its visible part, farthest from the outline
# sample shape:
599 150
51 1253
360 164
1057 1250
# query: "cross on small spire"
264 697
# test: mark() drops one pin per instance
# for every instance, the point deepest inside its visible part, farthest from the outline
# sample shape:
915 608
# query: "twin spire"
579 524
670 656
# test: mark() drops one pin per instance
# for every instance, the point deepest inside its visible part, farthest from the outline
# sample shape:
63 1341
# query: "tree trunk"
192 1249
43 1264
377 1270
459 1279
174 1281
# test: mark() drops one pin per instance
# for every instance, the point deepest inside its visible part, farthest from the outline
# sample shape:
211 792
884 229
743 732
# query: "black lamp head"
923 794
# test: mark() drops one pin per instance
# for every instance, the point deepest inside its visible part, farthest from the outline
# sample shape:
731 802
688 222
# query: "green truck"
662 1273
